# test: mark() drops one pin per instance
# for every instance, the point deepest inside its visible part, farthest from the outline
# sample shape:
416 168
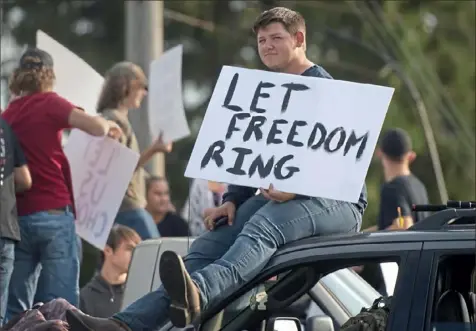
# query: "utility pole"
144 43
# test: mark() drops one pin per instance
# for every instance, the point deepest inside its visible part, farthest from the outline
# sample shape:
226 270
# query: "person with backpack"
48 245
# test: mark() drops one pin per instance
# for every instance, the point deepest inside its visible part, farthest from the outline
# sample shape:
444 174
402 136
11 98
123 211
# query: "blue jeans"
141 221
46 261
7 256
221 261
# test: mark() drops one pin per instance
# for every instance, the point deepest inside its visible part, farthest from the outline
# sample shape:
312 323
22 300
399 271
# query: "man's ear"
299 39
411 156
108 251
378 153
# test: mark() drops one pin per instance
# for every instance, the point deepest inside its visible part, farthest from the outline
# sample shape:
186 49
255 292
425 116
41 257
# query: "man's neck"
158 217
112 277
298 66
396 170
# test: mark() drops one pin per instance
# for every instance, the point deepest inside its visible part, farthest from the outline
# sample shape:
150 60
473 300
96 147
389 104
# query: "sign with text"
166 110
305 135
101 169
76 80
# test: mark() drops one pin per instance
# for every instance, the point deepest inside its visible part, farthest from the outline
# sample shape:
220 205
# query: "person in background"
102 296
46 258
124 88
203 195
14 177
159 206
400 191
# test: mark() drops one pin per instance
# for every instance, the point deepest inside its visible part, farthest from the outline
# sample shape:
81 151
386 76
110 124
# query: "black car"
434 290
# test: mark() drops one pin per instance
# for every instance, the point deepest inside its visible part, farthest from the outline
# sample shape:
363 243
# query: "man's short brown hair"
290 19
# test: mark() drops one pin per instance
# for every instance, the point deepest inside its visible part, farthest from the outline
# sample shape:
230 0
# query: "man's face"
276 46
158 197
121 256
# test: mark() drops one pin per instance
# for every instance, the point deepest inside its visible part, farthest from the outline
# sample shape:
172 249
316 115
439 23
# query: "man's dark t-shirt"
11 157
173 226
403 192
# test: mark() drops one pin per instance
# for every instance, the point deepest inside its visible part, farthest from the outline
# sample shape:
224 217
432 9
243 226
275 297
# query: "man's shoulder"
317 71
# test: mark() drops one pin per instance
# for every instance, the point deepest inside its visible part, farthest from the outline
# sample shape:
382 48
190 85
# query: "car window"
350 290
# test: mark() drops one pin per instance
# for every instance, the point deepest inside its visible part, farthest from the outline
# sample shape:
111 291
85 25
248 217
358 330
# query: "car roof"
377 237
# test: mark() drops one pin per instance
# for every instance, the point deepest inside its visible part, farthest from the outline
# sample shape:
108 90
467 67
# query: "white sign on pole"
101 169
305 135
76 81
166 110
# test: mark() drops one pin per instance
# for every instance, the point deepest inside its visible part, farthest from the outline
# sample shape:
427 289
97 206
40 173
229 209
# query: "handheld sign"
305 135
76 81
166 111
101 169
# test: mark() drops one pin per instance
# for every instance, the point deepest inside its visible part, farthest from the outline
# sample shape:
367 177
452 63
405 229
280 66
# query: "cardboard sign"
76 80
305 135
166 110
101 170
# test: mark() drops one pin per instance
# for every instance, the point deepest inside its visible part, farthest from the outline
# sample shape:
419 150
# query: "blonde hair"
31 80
120 79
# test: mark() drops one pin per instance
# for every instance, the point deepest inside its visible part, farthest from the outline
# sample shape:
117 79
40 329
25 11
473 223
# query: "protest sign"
305 135
101 169
166 110
76 80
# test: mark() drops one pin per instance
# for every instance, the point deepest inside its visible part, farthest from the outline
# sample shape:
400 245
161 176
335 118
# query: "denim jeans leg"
58 255
272 226
26 270
141 221
150 311
7 256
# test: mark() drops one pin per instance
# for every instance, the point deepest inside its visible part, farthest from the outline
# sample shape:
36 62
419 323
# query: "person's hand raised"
160 146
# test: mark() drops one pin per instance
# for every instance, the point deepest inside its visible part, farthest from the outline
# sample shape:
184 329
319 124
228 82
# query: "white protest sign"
166 110
305 135
101 169
76 81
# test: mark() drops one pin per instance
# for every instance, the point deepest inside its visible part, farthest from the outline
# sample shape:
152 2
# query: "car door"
317 262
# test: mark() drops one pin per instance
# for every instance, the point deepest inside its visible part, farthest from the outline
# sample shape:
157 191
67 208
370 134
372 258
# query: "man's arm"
238 194
389 219
21 173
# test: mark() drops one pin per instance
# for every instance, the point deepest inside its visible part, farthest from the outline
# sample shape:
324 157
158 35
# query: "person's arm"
238 194
389 219
21 173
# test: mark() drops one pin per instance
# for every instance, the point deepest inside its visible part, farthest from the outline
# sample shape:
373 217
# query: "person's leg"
139 220
58 253
26 270
7 256
150 311
270 227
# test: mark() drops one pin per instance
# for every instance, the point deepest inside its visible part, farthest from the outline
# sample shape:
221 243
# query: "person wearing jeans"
222 260
14 177
46 258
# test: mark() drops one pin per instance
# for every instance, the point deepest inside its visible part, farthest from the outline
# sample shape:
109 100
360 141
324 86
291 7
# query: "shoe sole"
173 279
76 324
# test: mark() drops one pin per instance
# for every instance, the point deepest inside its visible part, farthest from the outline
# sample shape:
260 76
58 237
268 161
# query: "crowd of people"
39 251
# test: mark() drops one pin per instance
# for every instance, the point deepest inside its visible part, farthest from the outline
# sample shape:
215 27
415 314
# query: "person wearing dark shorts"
14 177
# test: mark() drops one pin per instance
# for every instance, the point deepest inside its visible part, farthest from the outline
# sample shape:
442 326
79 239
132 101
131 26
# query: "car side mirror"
319 323
283 324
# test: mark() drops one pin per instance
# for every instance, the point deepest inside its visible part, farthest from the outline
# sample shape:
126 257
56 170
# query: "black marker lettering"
229 94
278 169
258 94
104 170
95 200
327 144
255 127
353 140
312 137
232 126
263 170
237 168
287 96
274 131
293 133
214 153
103 216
